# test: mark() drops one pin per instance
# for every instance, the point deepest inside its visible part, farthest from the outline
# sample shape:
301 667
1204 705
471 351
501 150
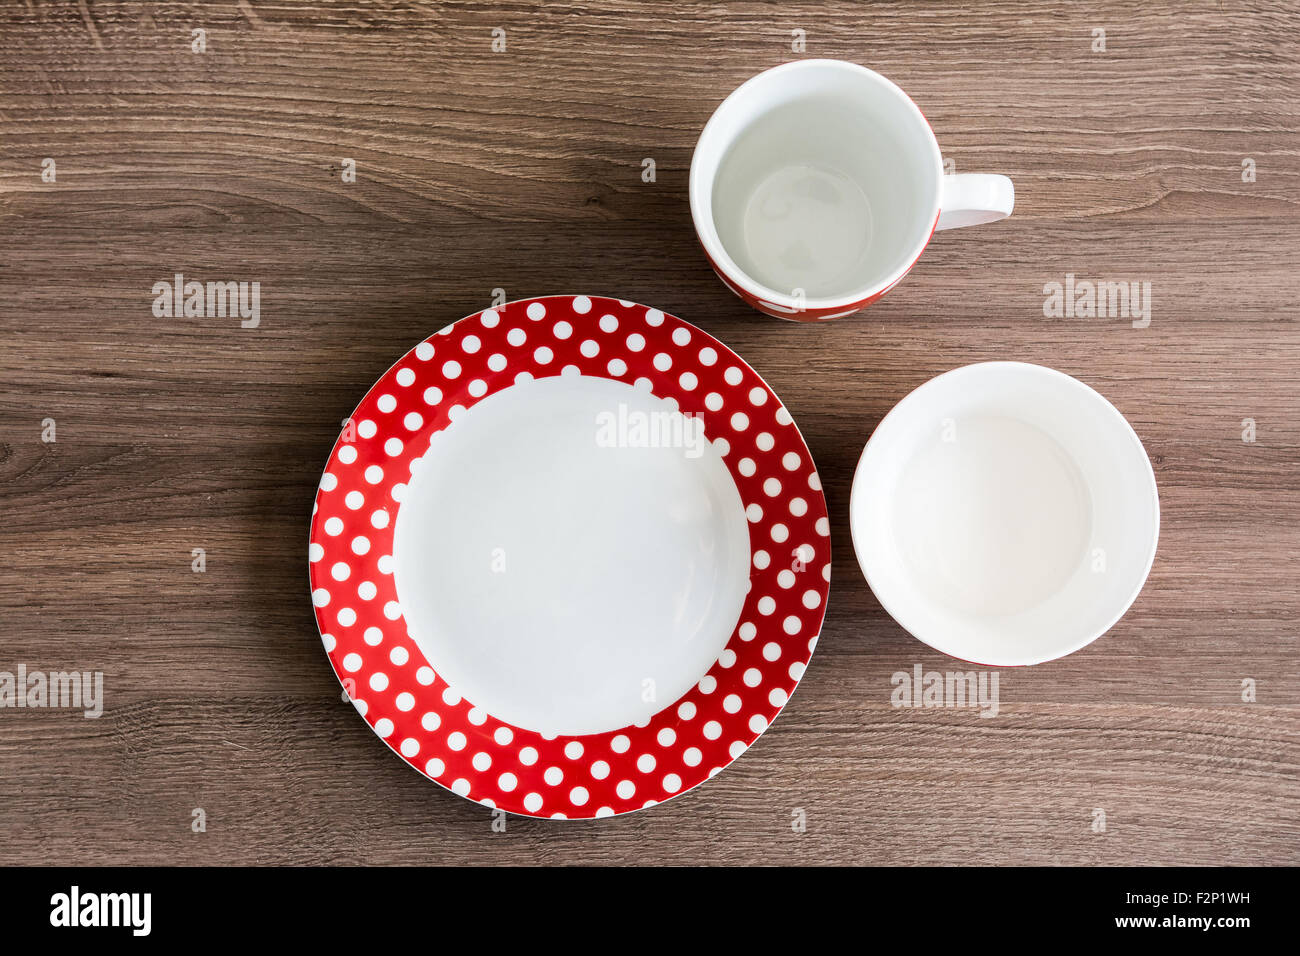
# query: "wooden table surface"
521 170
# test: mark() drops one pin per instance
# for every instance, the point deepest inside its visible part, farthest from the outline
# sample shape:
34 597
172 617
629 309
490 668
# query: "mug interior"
1005 513
816 183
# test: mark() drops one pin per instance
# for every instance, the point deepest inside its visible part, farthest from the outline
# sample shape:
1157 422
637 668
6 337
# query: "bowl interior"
1005 514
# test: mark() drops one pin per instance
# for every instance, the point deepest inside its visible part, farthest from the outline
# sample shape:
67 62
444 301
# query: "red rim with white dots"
401 694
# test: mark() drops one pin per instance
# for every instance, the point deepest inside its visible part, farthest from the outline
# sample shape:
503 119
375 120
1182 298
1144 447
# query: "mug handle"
968 199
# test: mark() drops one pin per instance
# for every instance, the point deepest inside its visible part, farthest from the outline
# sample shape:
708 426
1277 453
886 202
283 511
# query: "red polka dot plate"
570 557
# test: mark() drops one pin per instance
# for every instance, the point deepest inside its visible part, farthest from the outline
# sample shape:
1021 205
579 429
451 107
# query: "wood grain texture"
522 170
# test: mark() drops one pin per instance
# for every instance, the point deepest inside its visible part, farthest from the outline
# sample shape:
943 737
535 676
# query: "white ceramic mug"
816 185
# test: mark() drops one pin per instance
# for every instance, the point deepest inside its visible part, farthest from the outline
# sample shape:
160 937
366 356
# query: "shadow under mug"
815 186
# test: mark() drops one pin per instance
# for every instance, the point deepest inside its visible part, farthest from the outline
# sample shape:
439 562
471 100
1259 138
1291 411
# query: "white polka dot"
645 763
731 703
536 311
451 369
608 323
688 381
708 684
746 467
490 319
666 737
772 487
528 756
533 802
456 740
478 388
383 726
740 421
654 317
780 533
573 749
635 342
553 776
516 337
757 396
435 767
496 362
764 441
600 770
758 723
460 787
754 513
410 747
713 401
581 304
686 710
379 518
424 351
405 376
733 376
471 344
672 783
507 782
333 526
625 789
617 367
360 544
766 605
823 527
425 675
412 421
692 756
374 474
578 796
620 744
320 597
386 403
681 336
752 677
663 361
747 631
713 730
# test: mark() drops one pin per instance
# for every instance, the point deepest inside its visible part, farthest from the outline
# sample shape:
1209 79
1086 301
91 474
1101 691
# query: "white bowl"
1005 514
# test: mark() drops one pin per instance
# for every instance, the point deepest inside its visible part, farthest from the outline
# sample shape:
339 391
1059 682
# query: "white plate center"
571 555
